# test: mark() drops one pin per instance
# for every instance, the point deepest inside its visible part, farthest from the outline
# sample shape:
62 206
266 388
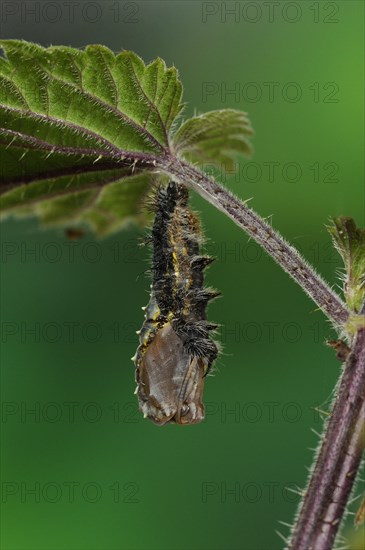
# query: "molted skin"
176 350
171 381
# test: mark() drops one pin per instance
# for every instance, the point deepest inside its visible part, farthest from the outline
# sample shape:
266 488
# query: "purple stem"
338 461
264 234
340 454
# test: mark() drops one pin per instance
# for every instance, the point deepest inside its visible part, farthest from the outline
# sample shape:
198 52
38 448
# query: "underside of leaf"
78 127
84 133
214 138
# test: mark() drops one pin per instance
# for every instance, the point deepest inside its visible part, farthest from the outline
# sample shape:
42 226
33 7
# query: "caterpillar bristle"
212 327
207 295
201 262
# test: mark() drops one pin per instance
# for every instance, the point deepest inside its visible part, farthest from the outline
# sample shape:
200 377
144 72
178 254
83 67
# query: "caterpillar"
175 350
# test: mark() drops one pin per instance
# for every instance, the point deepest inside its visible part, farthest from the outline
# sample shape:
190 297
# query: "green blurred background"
84 470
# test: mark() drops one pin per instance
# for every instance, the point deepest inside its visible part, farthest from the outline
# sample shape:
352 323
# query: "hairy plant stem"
262 232
338 460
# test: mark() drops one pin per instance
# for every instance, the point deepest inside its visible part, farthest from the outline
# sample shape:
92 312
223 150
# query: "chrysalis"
176 350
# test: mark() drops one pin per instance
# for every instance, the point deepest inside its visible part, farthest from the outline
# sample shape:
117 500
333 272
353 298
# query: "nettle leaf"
84 134
350 243
215 137
104 200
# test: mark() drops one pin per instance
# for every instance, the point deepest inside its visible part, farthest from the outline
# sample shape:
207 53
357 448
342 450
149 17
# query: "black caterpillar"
176 351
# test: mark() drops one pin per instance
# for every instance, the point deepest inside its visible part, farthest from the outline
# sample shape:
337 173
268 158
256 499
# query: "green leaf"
81 131
104 200
215 137
350 243
84 134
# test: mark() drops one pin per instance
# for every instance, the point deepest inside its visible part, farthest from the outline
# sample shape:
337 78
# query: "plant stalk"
262 232
338 460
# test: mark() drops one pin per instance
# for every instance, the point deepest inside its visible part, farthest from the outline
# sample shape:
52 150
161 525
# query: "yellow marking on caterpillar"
156 315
